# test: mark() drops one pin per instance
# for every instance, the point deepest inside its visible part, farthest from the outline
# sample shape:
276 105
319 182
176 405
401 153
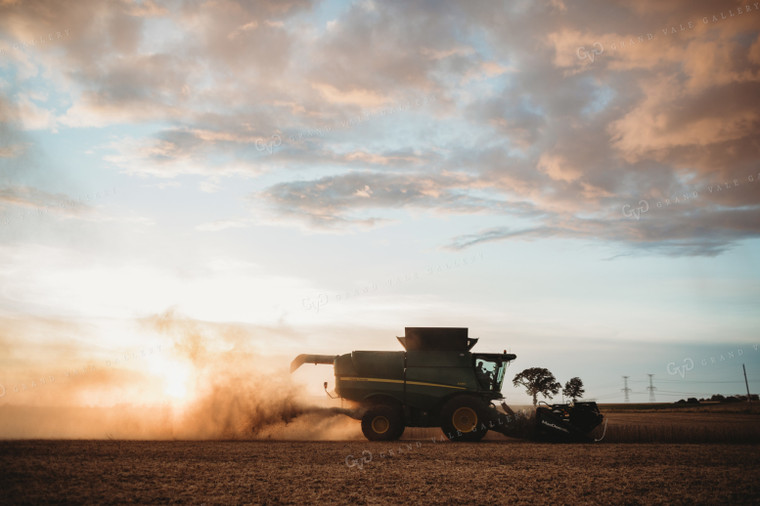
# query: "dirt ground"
357 472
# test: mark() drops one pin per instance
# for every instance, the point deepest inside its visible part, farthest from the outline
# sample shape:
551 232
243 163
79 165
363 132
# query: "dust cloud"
210 382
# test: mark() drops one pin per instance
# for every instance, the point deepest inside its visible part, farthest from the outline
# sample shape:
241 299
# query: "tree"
537 380
573 388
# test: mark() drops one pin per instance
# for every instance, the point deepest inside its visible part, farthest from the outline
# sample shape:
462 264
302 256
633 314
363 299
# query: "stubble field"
357 472
705 455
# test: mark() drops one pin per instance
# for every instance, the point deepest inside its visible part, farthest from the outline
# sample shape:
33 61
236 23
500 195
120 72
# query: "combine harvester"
439 382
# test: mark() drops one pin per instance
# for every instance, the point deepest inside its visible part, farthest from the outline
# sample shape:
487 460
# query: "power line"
696 381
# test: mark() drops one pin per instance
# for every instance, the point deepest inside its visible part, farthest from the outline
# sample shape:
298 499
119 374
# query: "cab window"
489 373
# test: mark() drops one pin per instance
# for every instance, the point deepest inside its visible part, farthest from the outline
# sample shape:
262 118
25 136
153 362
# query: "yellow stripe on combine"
382 380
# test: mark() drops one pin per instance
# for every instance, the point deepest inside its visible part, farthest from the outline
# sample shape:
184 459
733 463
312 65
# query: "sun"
175 382
176 378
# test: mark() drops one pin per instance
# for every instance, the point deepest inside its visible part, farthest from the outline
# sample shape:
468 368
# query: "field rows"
358 472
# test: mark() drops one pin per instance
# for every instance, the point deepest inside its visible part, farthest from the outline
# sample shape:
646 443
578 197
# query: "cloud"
530 124
34 199
361 98
335 201
12 151
411 47
13 140
34 117
216 226
687 232
498 234
177 152
571 149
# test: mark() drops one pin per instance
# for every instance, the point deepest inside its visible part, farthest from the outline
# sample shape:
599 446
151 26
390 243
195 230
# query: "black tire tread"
448 411
394 417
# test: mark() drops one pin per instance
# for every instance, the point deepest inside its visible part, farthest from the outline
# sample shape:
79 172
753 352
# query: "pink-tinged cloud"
570 111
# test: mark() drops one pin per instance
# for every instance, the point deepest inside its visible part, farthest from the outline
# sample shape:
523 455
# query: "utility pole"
651 388
626 390
746 383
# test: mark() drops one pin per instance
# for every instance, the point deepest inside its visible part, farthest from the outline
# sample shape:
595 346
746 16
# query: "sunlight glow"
176 378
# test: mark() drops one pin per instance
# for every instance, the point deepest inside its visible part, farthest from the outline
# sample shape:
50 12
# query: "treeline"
718 398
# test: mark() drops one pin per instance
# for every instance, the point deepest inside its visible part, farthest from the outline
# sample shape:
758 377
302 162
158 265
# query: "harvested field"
733 423
662 424
682 428
412 472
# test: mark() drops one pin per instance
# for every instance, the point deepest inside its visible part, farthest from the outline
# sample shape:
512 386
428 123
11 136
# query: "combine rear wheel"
463 418
382 423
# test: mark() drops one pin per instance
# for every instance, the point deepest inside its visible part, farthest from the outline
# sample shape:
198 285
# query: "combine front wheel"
382 423
463 419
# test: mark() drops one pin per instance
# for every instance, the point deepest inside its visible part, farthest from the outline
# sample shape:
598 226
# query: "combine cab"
438 382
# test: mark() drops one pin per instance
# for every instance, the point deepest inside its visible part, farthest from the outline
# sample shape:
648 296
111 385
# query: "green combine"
438 382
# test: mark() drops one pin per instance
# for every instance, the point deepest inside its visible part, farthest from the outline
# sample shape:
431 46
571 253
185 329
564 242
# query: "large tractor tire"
382 423
464 418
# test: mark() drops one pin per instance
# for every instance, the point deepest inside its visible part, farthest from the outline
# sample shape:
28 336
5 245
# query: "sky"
186 184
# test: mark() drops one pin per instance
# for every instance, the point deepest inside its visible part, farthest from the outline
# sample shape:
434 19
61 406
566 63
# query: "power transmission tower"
651 388
626 390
